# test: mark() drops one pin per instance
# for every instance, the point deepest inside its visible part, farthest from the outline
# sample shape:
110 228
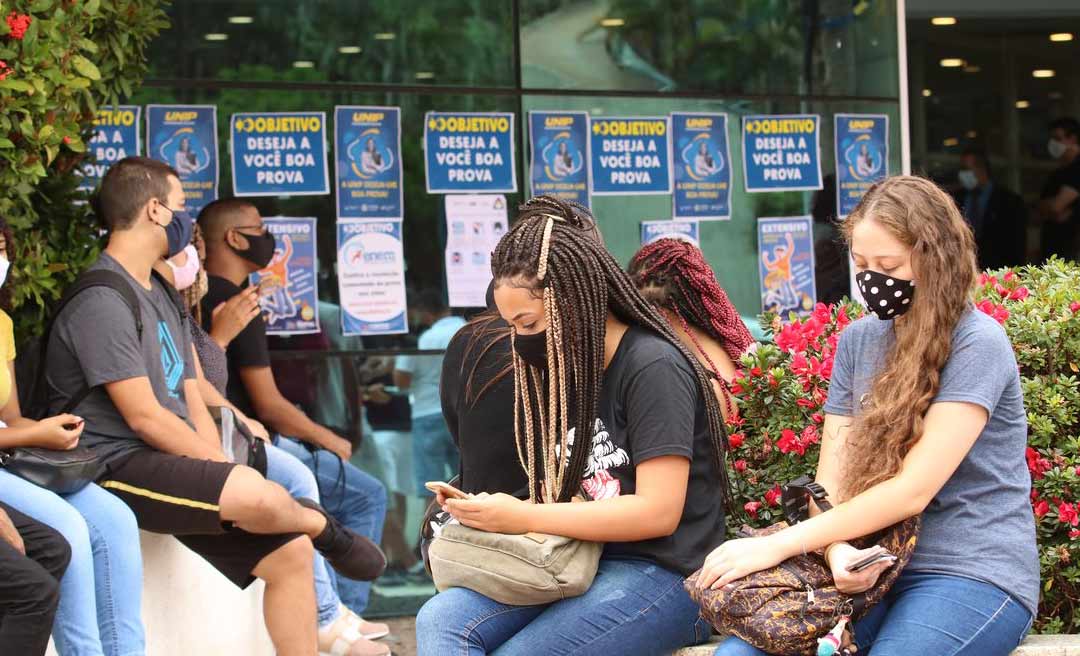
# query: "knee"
294 558
67 522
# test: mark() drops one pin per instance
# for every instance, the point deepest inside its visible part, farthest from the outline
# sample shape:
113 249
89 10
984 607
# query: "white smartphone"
447 490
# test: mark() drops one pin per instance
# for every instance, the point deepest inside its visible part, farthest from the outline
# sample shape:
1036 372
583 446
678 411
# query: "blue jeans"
101 592
356 499
933 614
435 456
286 470
633 608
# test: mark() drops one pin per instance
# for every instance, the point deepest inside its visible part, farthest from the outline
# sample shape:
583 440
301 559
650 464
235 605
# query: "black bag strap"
796 497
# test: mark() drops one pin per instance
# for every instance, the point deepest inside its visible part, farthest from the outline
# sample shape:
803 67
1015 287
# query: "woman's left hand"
738 558
496 513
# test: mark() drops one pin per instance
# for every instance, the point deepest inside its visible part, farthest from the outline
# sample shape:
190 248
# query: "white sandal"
345 638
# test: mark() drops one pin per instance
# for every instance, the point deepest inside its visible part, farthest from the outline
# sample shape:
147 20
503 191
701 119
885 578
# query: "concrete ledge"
1036 645
189 608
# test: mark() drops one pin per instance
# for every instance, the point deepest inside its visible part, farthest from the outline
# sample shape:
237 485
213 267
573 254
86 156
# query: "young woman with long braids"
925 415
674 275
593 359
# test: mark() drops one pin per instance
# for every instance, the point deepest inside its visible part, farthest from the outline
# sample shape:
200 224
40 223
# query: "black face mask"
532 348
260 249
885 296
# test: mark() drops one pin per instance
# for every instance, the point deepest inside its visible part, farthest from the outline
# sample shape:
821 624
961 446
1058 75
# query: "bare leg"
257 505
289 601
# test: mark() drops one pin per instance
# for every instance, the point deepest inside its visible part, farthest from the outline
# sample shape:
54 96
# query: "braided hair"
547 252
673 274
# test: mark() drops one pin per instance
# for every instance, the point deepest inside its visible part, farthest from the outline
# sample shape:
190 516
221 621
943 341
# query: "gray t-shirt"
980 525
94 341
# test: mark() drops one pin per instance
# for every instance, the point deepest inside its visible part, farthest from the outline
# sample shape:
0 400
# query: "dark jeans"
30 585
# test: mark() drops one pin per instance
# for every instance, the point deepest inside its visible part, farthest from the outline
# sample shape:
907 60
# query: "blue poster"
371 277
288 286
559 165
654 230
468 152
367 151
279 154
116 136
786 264
782 153
630 156
702 166
862 157
185 137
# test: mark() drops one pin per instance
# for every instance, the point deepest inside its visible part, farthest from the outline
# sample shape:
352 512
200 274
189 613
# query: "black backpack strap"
796 497
95 278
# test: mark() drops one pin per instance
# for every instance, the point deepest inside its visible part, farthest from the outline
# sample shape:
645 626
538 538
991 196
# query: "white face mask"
967 179
1056 148
5 266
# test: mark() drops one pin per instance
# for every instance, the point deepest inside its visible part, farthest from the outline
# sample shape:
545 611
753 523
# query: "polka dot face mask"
885 296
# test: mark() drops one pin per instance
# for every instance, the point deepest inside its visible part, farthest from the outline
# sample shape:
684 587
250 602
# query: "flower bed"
781 388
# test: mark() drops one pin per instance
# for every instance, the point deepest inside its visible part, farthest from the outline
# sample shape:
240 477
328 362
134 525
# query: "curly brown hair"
923 217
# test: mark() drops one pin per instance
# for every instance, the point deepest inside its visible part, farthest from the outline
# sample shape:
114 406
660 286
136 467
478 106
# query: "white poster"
474 225
371 277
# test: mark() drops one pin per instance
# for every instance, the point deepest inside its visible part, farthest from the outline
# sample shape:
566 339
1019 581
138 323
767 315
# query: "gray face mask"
1056 148
967 179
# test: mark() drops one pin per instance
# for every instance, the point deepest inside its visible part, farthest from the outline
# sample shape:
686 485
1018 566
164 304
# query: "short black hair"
1069 124
128 186
217 217
980 156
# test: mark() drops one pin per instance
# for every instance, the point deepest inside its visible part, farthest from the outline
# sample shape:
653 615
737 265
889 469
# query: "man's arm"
278 413
134 399
1057 207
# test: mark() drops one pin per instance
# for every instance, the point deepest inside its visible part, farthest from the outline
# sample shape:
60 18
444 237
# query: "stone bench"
1036 645
189 608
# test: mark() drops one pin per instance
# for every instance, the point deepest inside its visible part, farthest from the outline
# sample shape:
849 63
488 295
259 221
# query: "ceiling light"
216 36
1042 73
385 36
972 69
1060 37
1022 104
241 20
350 50
942 21
971 134
950 142
926 93
952 62
303 63
425 75
612 22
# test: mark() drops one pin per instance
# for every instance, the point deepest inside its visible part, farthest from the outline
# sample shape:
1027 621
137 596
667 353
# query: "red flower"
18 23
1002 291
985 278
736 440
817 418
1037 464
773 382
1019 294
1077 471
842 320
751 508
740 465
1073 534
1041 508
789 442
4 69
1009 276
772 497
826 368
1074 306
805 403
822 313
755 372
1067 514
998 312
67 140
790 338
810 435
736 388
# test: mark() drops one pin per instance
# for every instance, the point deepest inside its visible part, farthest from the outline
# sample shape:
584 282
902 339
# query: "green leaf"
77 145
86 67
79 83
45 132
51 151
91 7
15 85
6 143
40 6
88 45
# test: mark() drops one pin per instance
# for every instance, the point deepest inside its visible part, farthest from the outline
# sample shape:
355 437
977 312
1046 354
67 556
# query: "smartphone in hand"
876 557
447 490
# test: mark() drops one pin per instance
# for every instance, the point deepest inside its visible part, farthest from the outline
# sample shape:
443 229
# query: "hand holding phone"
875 557
446 490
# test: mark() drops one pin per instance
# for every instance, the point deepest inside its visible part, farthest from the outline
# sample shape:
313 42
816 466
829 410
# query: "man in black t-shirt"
237 245
1059 208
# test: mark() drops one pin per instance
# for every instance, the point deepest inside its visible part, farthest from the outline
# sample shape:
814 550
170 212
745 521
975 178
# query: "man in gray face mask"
996 215
1059 208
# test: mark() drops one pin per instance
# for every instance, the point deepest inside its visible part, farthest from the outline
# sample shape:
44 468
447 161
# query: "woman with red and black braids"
674 275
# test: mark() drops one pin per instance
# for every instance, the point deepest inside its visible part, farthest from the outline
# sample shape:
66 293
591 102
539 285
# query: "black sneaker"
350 554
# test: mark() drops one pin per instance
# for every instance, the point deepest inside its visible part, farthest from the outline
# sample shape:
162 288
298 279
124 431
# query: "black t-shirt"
249 349
484 429
650 406
1060 238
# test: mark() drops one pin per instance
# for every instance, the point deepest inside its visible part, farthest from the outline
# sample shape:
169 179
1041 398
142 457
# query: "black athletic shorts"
176 495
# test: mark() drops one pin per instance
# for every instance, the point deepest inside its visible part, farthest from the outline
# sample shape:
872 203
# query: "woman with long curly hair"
619 408
925 415
675 276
